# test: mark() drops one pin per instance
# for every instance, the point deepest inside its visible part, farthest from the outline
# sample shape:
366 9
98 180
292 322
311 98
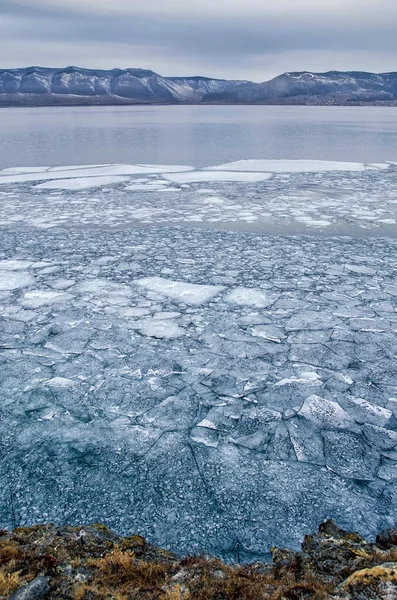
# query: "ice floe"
206 176
188 293
14 281
249 297
298 166
82 183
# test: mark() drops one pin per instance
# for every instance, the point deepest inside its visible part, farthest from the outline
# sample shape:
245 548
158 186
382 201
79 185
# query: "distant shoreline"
116 103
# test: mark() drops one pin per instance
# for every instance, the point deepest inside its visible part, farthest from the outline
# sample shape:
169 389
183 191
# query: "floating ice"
81 183
198 176
60 382
14 281
100 171
159 328
326 414
188 293
15 265
297 166
249 297
39 298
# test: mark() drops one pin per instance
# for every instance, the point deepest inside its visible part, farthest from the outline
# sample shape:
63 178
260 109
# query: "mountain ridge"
45 86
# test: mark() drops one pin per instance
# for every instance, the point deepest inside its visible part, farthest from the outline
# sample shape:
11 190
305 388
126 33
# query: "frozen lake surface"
171 367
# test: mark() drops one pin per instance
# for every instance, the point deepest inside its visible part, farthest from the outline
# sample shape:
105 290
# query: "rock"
387 538
375 583
91 561
37 589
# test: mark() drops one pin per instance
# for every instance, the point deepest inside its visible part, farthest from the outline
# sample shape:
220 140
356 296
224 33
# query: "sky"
233 39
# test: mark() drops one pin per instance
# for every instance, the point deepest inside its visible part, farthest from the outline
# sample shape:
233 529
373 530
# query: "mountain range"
41 86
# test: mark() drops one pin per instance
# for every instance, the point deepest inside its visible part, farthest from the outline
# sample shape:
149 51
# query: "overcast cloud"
251 39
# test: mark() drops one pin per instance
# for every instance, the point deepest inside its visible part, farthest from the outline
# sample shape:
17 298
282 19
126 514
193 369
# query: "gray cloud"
239 38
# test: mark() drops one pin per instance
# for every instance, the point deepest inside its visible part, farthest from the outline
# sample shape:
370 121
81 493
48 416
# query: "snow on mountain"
130 85
40 85
339 86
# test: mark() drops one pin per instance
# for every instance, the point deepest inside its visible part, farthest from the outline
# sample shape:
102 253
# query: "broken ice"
202 387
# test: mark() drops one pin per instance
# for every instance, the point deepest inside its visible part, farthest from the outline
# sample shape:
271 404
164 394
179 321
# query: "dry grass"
9 583
99 565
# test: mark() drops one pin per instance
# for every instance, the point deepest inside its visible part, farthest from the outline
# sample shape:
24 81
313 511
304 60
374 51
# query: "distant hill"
40 86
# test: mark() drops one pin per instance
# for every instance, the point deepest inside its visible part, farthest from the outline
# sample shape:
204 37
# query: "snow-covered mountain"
73 85
333 87
38 85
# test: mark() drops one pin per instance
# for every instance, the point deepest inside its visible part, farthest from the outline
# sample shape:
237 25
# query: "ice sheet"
297 166
101 171
331 202
206 176
82 183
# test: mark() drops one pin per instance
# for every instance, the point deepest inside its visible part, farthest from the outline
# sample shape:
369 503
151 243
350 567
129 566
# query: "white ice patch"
204 176
326 414
82 183
100 171
15 265
249 297
20 170
60 382
106 292
188 293
213 200
161 329
296 166
14 281
306 378
39 298
316 223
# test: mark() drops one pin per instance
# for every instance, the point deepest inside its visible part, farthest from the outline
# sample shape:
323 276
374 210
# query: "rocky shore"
91 563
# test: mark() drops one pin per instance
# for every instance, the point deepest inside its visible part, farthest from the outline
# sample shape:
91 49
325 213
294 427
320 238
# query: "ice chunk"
39 298
213 200
306 378
388 471
82 183
198 176
312 321
269 333
15 265
306 440
157 328
385 439
295 166
99 171
175 412
60 382
207 437
19 170
348 455
365 412
360 269
249 297
14 281
280 446
180 291
326 414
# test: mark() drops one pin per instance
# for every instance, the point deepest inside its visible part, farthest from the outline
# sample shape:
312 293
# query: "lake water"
197 135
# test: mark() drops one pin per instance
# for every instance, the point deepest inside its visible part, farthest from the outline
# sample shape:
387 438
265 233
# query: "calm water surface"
196 135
